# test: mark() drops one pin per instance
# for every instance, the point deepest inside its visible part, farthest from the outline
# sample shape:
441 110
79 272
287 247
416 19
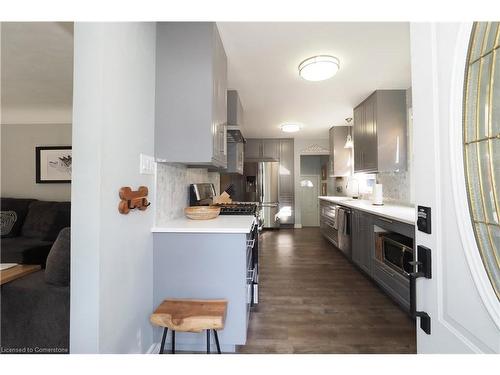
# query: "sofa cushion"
58 261
13 214
38 223
62 220
24 250
34 314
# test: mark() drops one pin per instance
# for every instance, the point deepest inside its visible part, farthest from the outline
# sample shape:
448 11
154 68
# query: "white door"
309 203
460 299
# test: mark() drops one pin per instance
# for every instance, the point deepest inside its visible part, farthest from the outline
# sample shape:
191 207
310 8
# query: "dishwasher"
335 225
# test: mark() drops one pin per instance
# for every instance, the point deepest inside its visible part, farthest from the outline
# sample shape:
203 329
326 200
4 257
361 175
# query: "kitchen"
250 176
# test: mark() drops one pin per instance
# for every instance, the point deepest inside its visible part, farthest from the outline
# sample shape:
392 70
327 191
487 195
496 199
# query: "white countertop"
405 214
221 224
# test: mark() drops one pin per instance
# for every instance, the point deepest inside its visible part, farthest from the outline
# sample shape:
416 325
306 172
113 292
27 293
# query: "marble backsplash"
396 186
172 183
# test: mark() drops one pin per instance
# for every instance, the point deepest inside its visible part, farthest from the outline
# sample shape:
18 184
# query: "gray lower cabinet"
327 221
204 266
396 285
191 94
362 240
363 225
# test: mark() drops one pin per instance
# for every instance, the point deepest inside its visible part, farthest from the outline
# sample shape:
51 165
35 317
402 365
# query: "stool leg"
208 341
217 341
173 342
165 330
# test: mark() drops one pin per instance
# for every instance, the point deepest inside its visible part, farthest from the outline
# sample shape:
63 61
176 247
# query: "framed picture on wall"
53 164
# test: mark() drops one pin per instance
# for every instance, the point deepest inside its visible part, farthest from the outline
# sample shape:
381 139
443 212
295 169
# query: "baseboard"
298 226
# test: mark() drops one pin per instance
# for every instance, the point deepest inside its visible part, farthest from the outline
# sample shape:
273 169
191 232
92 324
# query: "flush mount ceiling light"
290 128
319 68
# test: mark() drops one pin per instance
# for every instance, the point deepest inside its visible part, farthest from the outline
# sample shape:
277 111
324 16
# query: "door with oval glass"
309 203
456 146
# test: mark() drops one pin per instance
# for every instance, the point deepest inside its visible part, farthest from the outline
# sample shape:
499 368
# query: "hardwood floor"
313 300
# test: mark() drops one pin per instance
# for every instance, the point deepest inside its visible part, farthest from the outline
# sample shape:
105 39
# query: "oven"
397 253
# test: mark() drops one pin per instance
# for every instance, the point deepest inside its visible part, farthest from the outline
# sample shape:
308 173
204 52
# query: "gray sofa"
29 228
34 309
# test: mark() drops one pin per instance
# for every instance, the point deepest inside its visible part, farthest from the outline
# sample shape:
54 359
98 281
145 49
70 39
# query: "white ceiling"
37 72
263 60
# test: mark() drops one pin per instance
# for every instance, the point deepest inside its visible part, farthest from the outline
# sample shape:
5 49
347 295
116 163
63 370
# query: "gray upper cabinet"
340 157
253 149
380 131
286 181
271 149
262 149
191 94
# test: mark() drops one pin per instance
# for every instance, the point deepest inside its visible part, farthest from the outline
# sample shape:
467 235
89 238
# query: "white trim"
472 254
315 149
297 226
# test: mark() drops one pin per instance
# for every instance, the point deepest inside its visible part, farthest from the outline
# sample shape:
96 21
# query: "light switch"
146 164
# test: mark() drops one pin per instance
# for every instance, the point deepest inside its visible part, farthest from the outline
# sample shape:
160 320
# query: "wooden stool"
190 315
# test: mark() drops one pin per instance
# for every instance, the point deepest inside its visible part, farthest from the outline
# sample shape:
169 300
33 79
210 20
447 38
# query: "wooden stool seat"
190 315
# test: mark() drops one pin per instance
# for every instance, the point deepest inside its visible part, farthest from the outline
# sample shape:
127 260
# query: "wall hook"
131 200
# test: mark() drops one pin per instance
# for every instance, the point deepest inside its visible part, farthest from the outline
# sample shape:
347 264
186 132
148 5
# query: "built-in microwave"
397 252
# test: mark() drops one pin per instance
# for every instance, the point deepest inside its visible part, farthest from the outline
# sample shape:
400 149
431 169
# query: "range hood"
234 134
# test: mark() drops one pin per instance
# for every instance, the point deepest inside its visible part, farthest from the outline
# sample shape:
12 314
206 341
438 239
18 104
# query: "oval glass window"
481 134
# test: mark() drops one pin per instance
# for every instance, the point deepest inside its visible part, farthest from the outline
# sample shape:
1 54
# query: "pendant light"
349 143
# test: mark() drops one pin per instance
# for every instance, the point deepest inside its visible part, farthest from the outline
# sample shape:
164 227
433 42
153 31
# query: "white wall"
18 160
300 145
113 121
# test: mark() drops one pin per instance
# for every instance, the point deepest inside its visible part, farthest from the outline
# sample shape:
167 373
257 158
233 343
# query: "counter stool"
190 315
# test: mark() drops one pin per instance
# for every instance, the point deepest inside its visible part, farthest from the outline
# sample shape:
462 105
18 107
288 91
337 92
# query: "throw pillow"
7 221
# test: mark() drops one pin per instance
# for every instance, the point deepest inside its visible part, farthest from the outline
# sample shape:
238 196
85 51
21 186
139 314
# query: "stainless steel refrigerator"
262 179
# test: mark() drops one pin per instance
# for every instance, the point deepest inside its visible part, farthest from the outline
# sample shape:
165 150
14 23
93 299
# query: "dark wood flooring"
313 300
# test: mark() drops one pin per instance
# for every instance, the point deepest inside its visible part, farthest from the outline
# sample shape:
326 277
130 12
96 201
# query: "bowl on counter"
202 212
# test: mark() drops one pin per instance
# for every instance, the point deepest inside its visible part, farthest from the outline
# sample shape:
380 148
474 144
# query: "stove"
237 208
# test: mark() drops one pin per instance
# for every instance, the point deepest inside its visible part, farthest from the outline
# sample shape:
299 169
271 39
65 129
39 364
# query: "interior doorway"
313 183
309 192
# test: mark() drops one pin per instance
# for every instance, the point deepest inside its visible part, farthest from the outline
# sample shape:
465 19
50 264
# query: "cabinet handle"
386 220
387 272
